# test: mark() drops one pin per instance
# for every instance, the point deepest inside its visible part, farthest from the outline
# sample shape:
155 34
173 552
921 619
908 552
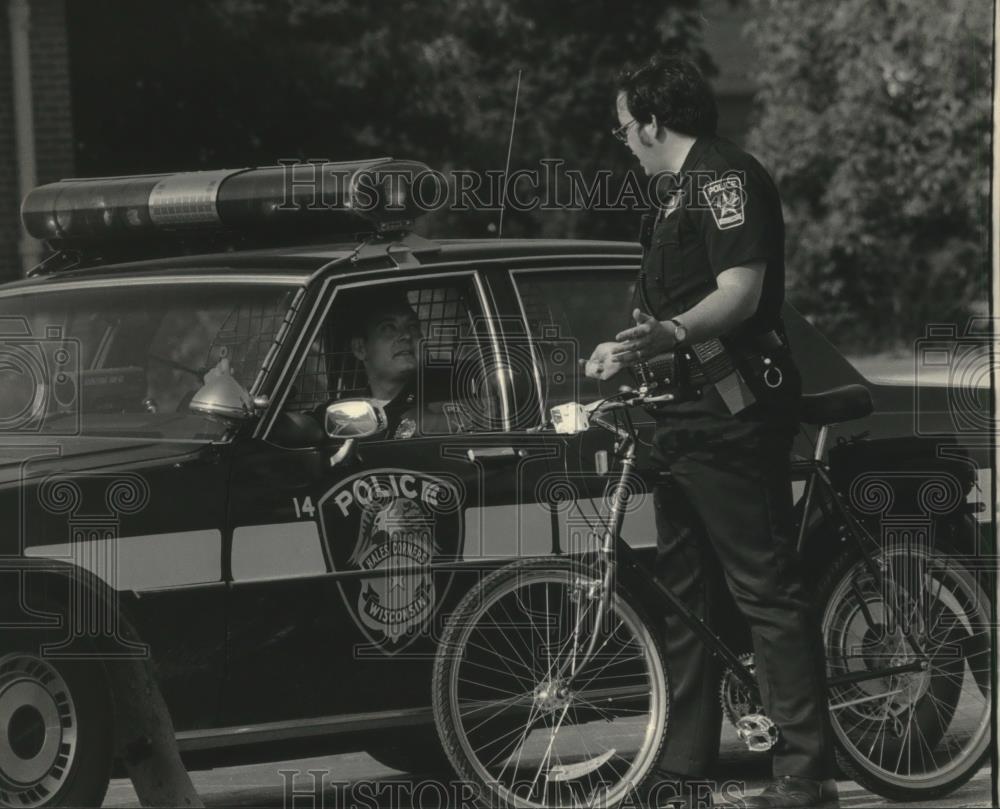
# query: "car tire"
56 728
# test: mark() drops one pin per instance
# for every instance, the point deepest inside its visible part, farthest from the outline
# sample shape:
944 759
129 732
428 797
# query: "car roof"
301 261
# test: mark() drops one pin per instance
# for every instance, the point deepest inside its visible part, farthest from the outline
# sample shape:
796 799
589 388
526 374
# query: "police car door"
567 311
344 569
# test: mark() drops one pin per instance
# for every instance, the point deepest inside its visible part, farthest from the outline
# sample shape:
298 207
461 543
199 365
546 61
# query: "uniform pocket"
668 232
679 257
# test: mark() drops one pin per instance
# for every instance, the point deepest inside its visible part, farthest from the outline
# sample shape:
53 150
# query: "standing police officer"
711 290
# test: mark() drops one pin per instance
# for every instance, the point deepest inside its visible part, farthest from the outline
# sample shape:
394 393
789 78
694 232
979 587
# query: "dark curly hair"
674 90
368 306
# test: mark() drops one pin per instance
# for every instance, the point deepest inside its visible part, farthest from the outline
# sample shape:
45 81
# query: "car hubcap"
38 730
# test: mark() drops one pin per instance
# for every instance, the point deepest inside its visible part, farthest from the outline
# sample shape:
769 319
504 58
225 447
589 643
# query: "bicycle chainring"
737 699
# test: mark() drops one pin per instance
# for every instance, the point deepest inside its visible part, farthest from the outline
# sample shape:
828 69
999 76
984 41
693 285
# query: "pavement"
357 781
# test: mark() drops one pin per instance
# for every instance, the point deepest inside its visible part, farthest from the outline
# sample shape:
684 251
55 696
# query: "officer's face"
389 348
647 149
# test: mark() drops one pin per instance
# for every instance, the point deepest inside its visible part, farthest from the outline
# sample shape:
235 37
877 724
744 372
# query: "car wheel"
56 731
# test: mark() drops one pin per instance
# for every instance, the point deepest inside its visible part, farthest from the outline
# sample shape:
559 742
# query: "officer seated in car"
385 338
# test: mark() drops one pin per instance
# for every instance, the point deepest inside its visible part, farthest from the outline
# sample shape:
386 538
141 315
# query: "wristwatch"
680 333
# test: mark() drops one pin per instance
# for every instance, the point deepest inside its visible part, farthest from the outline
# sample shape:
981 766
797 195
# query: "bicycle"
550 686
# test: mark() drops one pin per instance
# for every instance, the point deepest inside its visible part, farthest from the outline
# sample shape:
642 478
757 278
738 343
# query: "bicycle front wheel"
525 714
920 734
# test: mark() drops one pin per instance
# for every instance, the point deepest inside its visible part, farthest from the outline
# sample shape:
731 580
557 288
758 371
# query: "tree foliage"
190 84
876 123
875 116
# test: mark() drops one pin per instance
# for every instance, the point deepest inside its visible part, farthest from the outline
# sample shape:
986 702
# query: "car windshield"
126 360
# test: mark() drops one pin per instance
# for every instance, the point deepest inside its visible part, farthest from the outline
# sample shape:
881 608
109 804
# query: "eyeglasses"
621 132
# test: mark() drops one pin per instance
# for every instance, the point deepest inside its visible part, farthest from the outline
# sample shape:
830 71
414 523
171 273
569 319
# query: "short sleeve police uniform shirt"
724 213
727 214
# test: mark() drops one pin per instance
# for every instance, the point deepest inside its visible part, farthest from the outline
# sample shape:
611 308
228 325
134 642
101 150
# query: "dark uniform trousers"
726 508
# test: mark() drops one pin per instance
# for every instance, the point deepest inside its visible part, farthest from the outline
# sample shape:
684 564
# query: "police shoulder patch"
726 198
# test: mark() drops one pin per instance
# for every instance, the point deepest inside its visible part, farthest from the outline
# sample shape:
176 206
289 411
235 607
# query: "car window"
568 312
127 359
453 391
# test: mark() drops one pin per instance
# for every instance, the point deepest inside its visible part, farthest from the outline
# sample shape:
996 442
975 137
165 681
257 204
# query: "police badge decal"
390 526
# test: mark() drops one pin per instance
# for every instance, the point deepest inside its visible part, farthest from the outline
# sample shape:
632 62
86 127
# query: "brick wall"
52 113
10 223
50 76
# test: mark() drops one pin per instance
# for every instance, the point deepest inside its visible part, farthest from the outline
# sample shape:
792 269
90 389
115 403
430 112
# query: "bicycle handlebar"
572 417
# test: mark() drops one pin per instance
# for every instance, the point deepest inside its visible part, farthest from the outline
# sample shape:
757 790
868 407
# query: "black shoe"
667 790
789 792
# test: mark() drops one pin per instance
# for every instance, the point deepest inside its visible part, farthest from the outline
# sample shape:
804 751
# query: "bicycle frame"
614 552
819 477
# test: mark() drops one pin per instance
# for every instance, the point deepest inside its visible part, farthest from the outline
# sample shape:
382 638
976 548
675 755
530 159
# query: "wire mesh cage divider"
331 371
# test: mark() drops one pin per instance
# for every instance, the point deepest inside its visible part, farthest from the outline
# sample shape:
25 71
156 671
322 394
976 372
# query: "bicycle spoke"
906 735
603 668
506 635
548 640
543 640
503 706
519 744
548 749
928 724
607 714
863 603
502 658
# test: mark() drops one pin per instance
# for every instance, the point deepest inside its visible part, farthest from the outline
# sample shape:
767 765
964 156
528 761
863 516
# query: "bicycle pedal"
758 732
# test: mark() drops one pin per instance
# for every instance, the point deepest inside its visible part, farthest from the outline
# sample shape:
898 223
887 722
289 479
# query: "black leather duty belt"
762 343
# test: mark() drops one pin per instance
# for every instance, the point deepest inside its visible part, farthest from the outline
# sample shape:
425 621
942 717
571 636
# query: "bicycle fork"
612 546
606 561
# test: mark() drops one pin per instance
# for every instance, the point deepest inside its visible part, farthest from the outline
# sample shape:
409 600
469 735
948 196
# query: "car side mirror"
354 418
222 398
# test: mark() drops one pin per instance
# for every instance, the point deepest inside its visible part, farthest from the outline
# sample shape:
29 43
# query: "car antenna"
510 147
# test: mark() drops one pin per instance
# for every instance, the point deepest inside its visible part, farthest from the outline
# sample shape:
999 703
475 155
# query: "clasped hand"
645 340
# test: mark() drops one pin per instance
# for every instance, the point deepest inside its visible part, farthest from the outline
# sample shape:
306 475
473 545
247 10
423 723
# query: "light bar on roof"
319 197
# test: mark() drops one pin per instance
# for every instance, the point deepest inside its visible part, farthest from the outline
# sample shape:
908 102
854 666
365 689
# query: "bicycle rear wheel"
916 735
523 716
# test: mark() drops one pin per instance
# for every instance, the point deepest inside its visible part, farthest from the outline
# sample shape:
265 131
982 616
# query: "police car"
191 465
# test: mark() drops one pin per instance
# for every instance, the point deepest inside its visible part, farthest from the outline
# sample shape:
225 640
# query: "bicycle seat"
836 405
